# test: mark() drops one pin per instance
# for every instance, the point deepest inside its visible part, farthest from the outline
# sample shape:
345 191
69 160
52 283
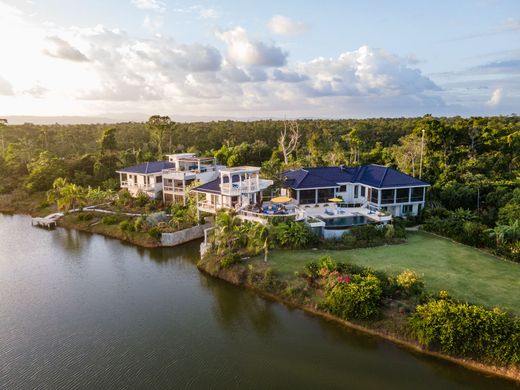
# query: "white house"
171 177
237 188
374 187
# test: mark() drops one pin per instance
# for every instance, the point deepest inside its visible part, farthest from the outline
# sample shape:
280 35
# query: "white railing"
178 190
145 187
245 186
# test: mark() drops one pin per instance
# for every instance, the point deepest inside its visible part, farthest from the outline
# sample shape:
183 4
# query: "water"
80 311
342 222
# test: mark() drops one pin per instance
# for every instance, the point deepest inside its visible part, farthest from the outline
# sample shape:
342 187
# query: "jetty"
50 221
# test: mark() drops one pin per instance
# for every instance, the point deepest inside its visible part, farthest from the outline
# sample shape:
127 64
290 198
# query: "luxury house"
171 177
237 188
373 187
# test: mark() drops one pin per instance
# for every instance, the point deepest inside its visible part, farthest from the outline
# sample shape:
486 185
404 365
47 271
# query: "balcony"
138 186
173 189
245 187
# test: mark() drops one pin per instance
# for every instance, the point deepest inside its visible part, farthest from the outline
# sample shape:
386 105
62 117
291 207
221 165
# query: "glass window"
342 188
325 194
387 196
158 179
406 209
307 196
363 190
374 196
356 191
417 194
402 195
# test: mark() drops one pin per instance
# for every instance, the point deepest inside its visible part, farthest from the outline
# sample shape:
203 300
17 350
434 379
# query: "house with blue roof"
373 187
170 178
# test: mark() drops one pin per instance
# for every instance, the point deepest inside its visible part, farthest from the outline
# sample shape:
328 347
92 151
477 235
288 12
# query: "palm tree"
225 229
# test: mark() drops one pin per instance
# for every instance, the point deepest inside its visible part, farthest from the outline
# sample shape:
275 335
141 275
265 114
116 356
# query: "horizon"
130 59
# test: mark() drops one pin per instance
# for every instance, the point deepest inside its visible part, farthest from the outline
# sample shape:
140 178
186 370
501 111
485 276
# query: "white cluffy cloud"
155 5
282 25
242 50
496 97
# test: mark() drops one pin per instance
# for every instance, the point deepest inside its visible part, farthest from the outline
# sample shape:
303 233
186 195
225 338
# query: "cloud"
242 50
5 87
153 23
512 24
496 97
155 5
365 71
60 48
288 76
282 25
503 66
208 13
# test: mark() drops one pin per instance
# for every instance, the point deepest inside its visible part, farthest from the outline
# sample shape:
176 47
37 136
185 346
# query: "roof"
148 167
213 187
373 175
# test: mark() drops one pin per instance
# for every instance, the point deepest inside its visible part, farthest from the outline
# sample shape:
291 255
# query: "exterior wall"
186 235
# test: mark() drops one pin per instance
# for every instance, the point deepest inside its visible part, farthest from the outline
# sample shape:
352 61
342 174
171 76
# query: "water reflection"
235 307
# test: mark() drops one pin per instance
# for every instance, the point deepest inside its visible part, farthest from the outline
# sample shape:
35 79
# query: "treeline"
472 163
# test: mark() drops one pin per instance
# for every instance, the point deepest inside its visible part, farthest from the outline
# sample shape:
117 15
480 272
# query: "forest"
473 164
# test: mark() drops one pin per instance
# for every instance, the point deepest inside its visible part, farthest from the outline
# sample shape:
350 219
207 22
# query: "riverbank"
259 277
95 225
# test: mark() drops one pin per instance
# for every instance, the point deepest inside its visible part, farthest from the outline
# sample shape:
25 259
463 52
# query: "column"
316 196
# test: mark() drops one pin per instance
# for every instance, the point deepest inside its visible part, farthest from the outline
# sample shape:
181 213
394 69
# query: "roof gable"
377 176
148 167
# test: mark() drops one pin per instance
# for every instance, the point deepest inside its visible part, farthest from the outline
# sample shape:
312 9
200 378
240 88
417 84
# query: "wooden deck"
50 221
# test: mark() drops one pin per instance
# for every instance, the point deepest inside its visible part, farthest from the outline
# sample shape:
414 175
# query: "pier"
49 222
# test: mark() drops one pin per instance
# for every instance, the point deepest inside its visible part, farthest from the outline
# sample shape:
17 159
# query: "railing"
178 190
145 187
246 186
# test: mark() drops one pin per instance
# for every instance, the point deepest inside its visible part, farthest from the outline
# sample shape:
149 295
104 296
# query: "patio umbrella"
281 199
335 200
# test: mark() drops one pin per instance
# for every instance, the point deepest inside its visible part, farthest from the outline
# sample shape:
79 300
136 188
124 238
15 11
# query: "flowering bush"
409 283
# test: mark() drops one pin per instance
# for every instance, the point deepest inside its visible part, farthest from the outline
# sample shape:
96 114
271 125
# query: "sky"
129 59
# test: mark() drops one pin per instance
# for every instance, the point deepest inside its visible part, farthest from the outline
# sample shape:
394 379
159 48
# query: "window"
387 196
363 190
374 196
342 188
158 179
406 209
356 191
307 196
402 195
417 194
325 194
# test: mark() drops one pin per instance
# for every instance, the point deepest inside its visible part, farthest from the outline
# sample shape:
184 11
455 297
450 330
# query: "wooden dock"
50 221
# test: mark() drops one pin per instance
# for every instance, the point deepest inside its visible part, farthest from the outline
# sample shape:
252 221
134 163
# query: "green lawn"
468 274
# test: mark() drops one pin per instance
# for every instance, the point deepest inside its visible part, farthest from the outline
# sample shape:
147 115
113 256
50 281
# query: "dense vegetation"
472 163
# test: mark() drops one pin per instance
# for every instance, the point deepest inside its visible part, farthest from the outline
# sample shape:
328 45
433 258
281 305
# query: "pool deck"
332 211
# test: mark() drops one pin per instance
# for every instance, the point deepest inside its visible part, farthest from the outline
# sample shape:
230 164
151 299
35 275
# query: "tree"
43 171
3 126
159 126
407 153
108 143
354 141
66 195
288 139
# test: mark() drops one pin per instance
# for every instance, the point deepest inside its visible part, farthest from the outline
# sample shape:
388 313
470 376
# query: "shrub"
85 216
312 270
327 263
467 330
138 224
358 299
229 259
141 200
155 218
109 220
126 226
409 283
155 232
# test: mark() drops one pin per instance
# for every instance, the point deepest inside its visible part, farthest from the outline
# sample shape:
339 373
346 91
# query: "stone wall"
182 236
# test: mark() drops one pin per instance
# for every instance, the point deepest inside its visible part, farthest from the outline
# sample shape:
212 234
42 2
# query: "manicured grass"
467 273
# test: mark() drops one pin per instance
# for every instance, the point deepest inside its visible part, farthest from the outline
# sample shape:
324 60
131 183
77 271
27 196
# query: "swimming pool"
344 222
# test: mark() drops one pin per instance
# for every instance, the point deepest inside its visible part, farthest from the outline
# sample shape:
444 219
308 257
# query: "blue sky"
260 59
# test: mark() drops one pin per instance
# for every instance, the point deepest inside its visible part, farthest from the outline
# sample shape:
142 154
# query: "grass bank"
95 225
467 273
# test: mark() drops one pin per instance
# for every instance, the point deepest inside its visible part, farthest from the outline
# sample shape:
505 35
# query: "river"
81 311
